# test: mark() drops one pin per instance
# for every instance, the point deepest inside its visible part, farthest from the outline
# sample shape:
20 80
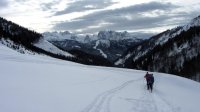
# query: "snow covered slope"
174 51
32 83
47 46
158 40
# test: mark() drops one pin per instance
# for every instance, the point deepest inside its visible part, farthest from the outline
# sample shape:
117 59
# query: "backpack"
151 78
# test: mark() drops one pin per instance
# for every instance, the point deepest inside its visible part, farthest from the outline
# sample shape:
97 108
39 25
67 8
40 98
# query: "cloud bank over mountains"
91 16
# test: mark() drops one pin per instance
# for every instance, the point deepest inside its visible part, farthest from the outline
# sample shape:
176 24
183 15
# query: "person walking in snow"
150 80
147 80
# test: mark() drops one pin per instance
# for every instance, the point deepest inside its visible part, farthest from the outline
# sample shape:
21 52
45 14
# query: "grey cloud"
3 3
143 35
131 10
49 5
21 0
123 24
127 18
116 16
83 5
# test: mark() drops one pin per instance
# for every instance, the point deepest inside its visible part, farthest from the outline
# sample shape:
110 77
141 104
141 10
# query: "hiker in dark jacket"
150 80
147 79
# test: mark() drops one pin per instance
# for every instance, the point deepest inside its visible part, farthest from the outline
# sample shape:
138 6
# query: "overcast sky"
91 16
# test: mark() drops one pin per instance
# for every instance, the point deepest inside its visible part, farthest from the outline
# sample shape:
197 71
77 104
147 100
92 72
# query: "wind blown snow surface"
33 83
47 46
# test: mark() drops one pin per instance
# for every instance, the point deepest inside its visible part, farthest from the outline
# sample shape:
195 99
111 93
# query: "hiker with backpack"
150 80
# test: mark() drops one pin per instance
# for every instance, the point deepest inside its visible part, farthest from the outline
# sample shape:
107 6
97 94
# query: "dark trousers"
150 86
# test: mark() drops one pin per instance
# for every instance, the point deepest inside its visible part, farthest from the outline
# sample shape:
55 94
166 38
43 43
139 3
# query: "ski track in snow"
149 102
102 102
164 105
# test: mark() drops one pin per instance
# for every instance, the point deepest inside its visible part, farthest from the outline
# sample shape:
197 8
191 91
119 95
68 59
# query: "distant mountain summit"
113 35
107 44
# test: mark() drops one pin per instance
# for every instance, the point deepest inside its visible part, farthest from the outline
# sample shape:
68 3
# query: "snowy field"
32 83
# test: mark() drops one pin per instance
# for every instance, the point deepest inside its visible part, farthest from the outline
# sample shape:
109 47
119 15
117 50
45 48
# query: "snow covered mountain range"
108 44
174 51
27 41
